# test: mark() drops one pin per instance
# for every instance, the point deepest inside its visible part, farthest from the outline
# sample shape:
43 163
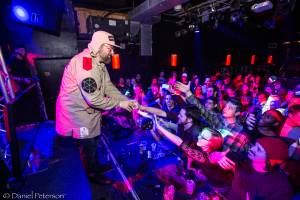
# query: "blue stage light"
20 13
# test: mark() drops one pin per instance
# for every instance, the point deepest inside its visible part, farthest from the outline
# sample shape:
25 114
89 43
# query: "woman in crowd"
209 140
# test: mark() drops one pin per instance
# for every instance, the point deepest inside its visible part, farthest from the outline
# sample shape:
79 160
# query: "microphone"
261 7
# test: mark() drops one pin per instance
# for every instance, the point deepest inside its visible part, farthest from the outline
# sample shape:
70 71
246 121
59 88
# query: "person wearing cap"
184 78
227 123
86 90
257 177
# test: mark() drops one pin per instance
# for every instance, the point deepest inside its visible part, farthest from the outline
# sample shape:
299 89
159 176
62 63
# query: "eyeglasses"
109 47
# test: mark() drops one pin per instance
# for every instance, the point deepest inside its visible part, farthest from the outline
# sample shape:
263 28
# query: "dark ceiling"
114 5
192 8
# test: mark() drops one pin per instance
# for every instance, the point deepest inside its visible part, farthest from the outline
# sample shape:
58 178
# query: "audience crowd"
240 133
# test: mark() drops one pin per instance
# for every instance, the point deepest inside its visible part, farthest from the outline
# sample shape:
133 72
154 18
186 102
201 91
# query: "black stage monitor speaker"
119 28
45 15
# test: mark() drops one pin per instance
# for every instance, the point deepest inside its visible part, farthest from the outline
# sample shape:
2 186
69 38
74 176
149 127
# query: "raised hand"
222 160
251 121
183 88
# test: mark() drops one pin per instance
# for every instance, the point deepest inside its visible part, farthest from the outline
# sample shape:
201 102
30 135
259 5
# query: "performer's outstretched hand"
128 105
134 104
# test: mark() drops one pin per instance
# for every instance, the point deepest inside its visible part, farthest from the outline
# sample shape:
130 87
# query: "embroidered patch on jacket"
89 85
87 63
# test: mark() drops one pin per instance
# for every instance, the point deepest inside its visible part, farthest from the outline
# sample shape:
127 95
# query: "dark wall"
38 41
54 49
206 51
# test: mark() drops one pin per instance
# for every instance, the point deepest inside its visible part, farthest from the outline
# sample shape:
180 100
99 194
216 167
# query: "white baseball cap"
184 74
99 38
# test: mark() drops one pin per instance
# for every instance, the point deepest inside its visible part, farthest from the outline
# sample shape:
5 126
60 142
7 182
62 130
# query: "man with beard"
85 90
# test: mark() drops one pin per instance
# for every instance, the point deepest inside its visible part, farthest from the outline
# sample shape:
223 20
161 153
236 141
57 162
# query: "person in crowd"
138 94
121 86
195 83
187 126
174 75
238 82
154 81
211 91
269 124
230 91
184 78
208 141
132 82
260 101
128 82
198 93
210 104
19 69
227 119
289 95
161 78
169 104
138 97
226 81
219 85
85 90
162 93
291 126
246 97
152 98
258 178
269 89
138 79
226 122
207 83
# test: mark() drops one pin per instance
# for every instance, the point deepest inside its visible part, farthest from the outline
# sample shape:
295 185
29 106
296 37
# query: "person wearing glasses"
85 91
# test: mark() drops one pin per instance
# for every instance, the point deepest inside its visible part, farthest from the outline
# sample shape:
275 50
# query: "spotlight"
20 13
212 8
191 27
261 7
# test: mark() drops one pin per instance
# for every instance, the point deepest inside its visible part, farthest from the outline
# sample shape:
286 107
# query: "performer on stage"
85 90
